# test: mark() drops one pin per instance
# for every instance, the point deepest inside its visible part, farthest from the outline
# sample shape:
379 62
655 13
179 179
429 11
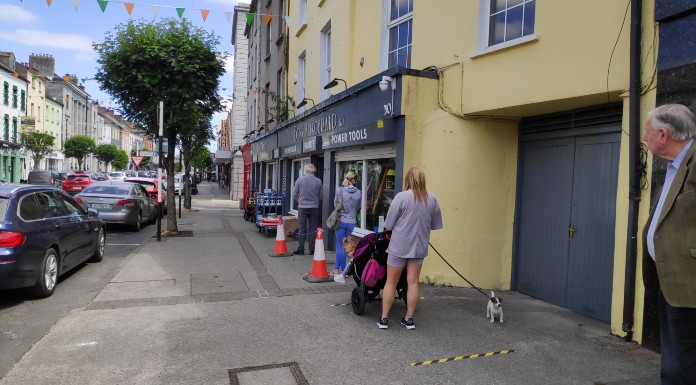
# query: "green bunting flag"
180 12
83 79
250 17
102 4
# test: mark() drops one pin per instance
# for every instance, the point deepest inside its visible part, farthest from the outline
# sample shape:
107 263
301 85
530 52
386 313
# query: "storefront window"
297 171
376 181
270 176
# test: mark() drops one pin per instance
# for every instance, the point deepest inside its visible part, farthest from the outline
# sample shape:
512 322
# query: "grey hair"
310 168
677 119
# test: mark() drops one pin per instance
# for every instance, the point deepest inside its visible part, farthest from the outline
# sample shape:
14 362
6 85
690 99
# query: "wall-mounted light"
385 82
304 101
334 83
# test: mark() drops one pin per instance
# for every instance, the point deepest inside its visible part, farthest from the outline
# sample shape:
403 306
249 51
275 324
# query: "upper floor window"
14 96
301 72
400 32
325 65
6 93
509 20
303 11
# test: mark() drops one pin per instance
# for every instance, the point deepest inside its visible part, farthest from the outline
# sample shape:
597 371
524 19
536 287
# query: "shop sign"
276 153
318 126
27 123
311 144
263 156
380 131
295 149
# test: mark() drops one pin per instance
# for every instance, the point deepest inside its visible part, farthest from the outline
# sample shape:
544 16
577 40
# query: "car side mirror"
92 212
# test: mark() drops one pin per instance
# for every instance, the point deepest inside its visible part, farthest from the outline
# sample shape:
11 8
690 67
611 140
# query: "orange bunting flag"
204 14
101 102
253 91
16 74
49 2
268 18
110 102
129 7
66 78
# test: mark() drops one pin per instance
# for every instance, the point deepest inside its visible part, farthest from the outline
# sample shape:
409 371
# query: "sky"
66 30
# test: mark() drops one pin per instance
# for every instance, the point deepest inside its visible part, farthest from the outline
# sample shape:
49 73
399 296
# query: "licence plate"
100 206
76 187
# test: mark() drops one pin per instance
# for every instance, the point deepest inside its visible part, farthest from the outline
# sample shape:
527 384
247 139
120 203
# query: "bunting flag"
129 7
154 9
101 102
268 18
66 78
16 74
83 79
180 12
42 98
253 91
224 89
49 2
228 16
204 14
33 76
103 4
249 17
75 4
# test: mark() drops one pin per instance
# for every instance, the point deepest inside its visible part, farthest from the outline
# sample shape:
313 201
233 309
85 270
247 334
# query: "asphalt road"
25 320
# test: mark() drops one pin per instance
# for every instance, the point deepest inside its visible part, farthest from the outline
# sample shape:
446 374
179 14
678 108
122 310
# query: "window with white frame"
301 70
510 19
270 177
400 27
297 170
303 11
325 65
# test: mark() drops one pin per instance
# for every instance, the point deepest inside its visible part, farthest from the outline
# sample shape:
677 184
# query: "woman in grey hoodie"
351 202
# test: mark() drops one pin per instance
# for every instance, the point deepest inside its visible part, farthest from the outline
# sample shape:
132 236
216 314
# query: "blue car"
43 234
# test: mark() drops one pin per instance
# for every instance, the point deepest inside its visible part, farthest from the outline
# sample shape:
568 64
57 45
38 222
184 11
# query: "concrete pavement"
211 307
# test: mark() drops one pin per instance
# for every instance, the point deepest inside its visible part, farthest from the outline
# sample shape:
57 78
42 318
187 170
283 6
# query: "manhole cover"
288 373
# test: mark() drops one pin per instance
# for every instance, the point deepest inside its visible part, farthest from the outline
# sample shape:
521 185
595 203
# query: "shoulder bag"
334 219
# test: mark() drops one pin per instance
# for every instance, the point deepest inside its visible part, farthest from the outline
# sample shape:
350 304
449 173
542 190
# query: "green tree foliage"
39 143
201 158
121 160
106 153
78 147
143 63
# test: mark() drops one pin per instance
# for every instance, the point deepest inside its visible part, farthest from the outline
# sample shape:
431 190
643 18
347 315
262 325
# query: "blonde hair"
349 242
346 179
414 180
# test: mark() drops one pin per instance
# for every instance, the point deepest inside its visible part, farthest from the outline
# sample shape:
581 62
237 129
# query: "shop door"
566 222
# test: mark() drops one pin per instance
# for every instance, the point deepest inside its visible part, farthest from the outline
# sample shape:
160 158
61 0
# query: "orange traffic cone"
319 272
281 248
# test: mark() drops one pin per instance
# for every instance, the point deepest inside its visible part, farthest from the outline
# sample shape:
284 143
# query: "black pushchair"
372 246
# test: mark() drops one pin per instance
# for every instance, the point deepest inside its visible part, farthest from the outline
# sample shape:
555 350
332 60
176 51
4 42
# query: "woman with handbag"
349 197
411 216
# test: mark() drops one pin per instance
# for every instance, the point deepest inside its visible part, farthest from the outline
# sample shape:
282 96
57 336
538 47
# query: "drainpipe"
633 166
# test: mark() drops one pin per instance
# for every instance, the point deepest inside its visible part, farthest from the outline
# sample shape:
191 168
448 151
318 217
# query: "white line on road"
123 244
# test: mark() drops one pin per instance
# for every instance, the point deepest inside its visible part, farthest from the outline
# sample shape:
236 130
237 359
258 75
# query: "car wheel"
99 251
48 277
138 222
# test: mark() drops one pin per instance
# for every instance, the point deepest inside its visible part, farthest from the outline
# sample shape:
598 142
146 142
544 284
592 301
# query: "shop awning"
223 156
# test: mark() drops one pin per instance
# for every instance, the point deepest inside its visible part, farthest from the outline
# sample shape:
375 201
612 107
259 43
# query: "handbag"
334 219
372 273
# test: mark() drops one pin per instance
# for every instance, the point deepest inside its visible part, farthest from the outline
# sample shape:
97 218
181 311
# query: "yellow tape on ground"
459 358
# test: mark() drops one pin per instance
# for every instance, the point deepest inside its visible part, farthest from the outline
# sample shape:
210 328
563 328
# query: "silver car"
117 176
119 202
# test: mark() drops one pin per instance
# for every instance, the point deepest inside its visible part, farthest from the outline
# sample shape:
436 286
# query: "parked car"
44 233
100 176
45 177
117 176
76 182
179 185
119 203
152 185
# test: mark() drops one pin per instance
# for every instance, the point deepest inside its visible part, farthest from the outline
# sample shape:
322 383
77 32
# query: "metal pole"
160 118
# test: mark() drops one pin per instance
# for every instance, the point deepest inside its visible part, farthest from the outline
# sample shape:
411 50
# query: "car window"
138 190
78 177
148 186
51 205
73 207
113 190
29 209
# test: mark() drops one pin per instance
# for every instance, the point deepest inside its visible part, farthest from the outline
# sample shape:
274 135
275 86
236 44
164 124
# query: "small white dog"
495 308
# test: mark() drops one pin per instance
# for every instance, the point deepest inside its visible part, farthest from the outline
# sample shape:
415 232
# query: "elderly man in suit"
669 258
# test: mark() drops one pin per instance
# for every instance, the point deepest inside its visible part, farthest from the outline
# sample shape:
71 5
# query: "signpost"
160 119
137 160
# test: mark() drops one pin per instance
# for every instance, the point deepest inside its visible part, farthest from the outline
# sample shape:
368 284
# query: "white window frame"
484 33
271 168
325 65
301 78
387 25
302 16
303 161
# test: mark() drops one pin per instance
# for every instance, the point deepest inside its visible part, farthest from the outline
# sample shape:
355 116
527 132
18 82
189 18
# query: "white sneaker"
339 278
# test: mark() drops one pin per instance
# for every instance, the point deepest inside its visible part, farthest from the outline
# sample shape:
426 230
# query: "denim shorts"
394 261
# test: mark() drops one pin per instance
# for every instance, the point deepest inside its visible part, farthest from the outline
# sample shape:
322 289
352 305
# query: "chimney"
73 79
45 64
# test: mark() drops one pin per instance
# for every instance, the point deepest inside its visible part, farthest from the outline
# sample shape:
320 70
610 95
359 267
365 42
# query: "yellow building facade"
488 114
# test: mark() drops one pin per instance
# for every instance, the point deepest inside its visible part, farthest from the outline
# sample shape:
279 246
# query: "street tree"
78 147
106 153
121 160
143 63
39 143
196 133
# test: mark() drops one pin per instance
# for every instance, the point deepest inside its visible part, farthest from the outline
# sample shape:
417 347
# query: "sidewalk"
211 307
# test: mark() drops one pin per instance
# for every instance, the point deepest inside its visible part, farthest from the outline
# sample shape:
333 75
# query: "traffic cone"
281 248
319 272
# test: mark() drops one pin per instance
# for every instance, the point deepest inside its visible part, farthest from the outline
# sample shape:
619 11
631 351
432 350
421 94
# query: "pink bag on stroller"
372 273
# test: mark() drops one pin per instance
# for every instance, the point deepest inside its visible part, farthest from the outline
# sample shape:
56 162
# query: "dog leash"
455 270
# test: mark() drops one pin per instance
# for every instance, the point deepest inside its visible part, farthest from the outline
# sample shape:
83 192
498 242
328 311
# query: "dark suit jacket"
674 268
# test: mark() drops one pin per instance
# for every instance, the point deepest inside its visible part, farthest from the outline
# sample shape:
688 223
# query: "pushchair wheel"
358 300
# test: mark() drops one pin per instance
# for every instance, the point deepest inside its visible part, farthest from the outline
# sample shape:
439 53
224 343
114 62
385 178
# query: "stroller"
372 246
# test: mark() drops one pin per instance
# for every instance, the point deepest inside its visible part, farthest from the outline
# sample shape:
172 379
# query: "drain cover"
288 373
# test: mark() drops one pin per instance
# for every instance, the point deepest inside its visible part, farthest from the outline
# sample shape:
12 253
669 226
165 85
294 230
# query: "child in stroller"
371 246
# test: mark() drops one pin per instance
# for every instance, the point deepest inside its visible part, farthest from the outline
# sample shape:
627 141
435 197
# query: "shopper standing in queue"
308 193
350 202
411 216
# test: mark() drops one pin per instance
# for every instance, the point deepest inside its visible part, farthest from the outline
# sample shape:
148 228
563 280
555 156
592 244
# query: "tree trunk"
171 201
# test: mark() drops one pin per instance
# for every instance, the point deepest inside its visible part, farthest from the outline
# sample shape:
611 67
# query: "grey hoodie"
308 191
351 203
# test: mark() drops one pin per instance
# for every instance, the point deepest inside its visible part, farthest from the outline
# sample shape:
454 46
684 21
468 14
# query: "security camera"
384 83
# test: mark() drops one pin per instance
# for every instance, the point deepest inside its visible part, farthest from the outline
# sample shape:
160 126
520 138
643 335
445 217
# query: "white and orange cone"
319 272
281 248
